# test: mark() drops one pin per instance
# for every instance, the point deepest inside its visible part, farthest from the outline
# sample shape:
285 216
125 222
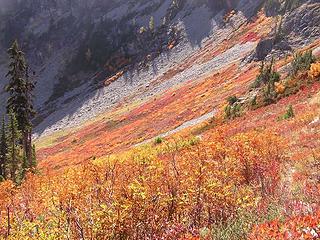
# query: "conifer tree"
20 100
3 152
14 158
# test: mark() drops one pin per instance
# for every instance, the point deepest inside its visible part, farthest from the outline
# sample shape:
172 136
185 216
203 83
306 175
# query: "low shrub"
289 114
232 111
158 140
314 72
232 99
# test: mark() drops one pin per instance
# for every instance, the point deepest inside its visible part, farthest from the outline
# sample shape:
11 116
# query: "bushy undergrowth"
175 190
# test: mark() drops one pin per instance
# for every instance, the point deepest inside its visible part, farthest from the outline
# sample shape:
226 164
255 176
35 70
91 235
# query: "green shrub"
267 77
240 226
234 107
253 102
269 93
289 113
267 74
232 111
235 229
158 140
232 99
302 62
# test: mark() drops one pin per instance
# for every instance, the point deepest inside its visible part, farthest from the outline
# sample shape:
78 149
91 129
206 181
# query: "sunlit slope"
131 123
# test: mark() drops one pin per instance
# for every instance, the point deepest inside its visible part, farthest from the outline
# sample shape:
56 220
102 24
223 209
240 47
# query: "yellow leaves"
280 87
138 191
7 191
246 198
314 71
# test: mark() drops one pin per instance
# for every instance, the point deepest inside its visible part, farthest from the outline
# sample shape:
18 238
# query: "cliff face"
76 47
67 41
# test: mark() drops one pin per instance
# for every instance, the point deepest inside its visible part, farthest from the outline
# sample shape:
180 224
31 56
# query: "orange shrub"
168 191
299 227
314 71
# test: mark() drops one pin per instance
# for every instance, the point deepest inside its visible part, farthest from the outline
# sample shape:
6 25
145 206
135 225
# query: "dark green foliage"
267 78
24 167
194 141
269 93
302 62
19 88
253 102
279 34
232 99
14 148
21 111
289 114
267 74
34 159
3 152
232 111
158 140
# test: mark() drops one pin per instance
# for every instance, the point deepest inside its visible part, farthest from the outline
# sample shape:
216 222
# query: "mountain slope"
191 137
57 37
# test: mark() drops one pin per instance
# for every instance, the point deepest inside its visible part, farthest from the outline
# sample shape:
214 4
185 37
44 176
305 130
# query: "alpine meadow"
159 119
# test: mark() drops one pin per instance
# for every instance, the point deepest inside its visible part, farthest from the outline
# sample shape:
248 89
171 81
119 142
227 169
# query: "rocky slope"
57 35
75 47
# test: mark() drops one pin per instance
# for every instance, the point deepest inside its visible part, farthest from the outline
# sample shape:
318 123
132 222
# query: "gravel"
143 85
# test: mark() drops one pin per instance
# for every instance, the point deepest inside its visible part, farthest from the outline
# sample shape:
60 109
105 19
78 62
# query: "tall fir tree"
14 149
20 89
3 152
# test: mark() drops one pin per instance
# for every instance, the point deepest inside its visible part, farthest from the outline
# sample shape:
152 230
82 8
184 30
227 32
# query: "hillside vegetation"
219 146
254 179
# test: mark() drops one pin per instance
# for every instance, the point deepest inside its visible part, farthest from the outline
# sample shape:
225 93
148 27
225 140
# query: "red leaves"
300 227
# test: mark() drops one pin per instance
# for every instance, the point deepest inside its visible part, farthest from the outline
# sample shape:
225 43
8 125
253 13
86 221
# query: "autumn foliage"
170 191
314 71
242 180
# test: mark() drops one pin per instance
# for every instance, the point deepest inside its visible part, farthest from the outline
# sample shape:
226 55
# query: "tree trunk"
27 147
8 222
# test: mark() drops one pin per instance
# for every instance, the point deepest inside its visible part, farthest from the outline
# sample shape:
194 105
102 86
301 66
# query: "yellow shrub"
314 71
280 88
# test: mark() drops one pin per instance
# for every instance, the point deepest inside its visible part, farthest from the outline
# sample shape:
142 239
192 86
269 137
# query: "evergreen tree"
14 158
20 101
3 152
